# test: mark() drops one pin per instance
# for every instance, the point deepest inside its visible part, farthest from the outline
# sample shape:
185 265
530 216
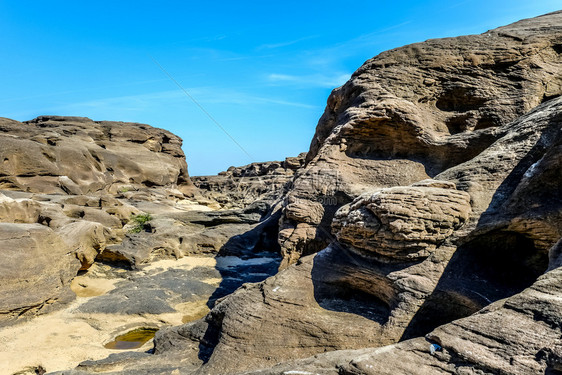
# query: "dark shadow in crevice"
348 282
394 139
510 183
323 236
496 265
248 258
492 262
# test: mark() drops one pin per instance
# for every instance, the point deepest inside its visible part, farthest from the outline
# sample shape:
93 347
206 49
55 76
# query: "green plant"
139 222
124 189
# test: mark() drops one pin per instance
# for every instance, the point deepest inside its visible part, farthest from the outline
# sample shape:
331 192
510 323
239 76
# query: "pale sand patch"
64 338
188 205
212 280
85 286
187 263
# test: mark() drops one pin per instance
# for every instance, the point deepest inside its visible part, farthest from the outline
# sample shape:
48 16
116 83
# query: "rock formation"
410 113
240 186
422 234
71 189
75 155
408 254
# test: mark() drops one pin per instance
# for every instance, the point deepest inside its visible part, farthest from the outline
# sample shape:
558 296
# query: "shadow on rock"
250 257
345 282
488 268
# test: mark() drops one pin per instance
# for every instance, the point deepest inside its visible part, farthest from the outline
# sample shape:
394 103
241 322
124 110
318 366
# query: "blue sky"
263 70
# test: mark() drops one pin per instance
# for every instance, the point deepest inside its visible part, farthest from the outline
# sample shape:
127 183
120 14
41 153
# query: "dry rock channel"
420 234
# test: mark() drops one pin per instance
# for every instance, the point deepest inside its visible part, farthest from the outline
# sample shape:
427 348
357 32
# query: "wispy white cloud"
89 89
204 95
329 56
313 80
286 43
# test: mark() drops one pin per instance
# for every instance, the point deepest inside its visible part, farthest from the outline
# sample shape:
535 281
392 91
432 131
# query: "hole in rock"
458 124
148 183
342 298
459 99
487 122
132 339
557 48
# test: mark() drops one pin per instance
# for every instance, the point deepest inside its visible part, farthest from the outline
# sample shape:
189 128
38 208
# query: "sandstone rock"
183 233
490 258
412 112
23 211
35 272
75 155
240 186
445 156
501 249
87 239
402 223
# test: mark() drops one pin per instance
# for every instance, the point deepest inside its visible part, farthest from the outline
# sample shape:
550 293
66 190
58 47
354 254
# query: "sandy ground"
64 338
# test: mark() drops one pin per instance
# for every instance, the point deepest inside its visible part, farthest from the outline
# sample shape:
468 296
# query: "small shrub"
139 222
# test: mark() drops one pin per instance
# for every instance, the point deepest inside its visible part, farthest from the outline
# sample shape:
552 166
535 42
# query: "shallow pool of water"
132 339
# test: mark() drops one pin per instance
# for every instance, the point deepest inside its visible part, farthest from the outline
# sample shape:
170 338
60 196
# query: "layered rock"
75 155
405 263
70 189
519 335
412 258
434 178
403 223
240 186
412 112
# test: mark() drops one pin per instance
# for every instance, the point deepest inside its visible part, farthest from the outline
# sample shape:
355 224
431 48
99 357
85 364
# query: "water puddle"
132 339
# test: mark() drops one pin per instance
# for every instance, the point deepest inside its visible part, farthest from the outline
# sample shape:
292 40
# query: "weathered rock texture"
413 112
403 223
458 257
35 271
75 155
240 186
70 188
422 236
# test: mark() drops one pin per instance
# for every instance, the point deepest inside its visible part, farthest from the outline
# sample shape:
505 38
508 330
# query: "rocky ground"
421 233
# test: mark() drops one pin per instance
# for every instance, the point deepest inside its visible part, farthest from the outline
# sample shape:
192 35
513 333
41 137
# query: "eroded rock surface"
403 223
423 235
240 186
410 259
412 112
75 155
35 272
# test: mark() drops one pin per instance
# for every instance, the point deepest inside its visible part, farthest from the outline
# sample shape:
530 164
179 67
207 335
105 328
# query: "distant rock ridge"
240 186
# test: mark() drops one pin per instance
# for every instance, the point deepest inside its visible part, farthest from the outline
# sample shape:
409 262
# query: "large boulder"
402 223
75 155
36 269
